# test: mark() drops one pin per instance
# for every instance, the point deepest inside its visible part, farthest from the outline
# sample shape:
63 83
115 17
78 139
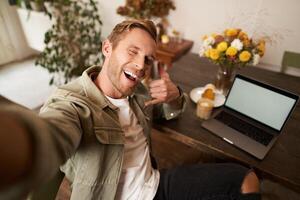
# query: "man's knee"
250 183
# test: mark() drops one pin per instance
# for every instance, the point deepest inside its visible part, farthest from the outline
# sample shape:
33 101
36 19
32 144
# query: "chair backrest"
290 59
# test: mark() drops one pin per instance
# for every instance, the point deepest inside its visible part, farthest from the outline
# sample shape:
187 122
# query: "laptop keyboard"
245 128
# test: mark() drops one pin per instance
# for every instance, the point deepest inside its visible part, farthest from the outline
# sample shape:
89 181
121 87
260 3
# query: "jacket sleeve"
170 112
55 134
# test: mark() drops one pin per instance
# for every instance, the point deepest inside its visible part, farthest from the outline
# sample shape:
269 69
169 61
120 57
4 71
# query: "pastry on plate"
209 92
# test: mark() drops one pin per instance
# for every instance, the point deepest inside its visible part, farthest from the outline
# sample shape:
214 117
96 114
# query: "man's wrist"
178 100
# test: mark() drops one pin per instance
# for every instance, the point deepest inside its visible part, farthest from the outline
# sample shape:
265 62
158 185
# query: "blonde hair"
118 32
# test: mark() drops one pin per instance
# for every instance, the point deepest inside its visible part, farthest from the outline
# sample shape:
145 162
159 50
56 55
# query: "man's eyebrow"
135 47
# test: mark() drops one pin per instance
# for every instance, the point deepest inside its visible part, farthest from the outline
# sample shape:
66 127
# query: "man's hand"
162 90
16 149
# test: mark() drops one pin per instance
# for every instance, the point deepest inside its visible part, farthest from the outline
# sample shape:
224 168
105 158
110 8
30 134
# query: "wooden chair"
290 59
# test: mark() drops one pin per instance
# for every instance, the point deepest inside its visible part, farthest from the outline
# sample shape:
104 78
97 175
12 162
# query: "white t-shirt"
138 178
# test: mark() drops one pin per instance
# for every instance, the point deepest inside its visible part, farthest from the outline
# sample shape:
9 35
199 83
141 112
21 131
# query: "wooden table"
172 51
281 164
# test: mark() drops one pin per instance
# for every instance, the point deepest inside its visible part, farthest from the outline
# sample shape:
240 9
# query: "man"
99 127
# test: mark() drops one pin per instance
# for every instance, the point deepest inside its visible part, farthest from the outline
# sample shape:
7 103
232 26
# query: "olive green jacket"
80 128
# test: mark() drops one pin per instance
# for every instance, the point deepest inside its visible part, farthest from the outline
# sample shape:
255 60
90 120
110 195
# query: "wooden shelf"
172 51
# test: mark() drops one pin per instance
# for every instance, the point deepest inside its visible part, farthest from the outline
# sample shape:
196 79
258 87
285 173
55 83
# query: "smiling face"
126 63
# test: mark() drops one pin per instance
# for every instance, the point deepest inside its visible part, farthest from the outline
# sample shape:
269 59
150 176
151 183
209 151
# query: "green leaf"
74 40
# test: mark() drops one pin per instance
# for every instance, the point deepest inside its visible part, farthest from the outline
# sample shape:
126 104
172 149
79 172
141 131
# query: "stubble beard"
115 79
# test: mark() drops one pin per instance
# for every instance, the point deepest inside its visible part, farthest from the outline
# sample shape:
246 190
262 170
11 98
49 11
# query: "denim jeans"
204 182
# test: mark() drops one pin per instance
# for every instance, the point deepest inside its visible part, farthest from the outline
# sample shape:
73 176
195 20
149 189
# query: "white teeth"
131 74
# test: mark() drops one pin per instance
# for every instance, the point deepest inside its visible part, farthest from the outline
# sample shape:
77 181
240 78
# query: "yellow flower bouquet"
231 50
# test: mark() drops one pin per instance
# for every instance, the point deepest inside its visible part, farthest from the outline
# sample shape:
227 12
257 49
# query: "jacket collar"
92 91
96 95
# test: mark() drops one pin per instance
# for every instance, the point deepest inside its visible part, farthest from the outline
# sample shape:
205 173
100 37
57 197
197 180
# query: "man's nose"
139 63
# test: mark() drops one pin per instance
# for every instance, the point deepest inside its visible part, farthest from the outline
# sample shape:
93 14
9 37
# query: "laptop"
253 115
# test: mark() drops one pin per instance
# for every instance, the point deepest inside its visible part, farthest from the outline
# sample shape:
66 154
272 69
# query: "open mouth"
131 76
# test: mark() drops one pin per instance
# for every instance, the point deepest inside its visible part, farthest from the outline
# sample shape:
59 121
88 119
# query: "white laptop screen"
262 104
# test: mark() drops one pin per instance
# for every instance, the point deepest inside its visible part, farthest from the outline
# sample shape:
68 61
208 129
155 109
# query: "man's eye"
132 52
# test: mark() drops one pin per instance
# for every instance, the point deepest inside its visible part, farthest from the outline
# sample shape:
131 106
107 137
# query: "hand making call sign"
162 90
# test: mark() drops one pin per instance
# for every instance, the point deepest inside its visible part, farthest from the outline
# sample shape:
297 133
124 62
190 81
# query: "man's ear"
106 48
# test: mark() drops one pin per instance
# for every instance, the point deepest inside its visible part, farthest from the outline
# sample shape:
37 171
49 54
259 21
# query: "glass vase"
224 78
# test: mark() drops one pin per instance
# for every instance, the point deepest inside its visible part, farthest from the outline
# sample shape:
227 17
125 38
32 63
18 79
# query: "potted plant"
74 41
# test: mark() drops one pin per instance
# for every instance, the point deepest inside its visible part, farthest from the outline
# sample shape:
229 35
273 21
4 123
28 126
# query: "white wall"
108 14
195 18
35 25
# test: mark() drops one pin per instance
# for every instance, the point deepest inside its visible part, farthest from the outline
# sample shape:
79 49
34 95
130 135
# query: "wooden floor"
170 153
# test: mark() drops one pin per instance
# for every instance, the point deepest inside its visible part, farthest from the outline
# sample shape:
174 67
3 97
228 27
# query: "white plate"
196 93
